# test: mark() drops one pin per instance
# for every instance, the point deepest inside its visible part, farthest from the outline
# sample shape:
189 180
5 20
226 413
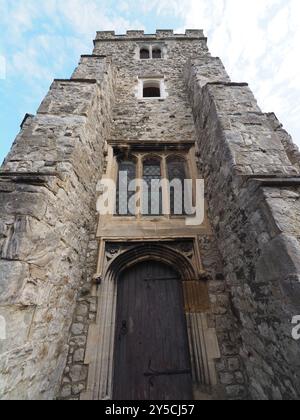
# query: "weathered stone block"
13 277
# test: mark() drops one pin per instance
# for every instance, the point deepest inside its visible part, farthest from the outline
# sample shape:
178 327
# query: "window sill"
123 216
152 99
150 59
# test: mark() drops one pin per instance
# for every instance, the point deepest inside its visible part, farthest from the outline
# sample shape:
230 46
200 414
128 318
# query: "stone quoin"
78 289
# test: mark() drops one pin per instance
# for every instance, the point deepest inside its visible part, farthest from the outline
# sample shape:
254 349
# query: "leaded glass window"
152 192
125 205
177 175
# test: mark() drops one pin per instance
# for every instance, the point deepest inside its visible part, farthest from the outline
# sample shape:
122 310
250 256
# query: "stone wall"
232 378
48 238
292 150
75 375
252 191
47 211
157 121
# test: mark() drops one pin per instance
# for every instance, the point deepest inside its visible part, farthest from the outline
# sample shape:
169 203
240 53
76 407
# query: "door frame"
114 258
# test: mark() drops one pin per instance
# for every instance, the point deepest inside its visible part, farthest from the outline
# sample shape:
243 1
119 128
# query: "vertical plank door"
151 352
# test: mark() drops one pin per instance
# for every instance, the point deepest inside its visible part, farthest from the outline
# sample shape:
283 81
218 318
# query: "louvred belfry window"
156 53
144 54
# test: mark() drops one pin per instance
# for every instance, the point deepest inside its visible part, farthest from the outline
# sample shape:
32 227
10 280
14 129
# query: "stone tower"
150 105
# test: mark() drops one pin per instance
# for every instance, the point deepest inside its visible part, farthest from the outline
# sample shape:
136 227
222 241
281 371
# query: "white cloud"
87 17
66 30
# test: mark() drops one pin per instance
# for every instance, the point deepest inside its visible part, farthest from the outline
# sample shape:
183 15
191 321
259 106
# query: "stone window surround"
139 158
155 80
150 48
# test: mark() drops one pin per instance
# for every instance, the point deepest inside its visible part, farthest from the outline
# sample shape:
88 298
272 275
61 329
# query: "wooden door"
151 352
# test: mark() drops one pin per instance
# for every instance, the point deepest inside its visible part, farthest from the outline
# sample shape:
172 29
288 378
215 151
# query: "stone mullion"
165 190
139 185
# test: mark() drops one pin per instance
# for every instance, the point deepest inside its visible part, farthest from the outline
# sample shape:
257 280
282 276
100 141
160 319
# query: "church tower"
176 291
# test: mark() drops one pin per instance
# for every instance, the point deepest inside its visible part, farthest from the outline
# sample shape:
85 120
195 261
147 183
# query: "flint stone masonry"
50 244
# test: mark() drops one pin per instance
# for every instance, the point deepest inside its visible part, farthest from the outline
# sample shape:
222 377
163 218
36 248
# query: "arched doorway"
116 263
151 357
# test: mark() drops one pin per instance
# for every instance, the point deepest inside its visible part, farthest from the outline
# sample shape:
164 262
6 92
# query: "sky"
258 41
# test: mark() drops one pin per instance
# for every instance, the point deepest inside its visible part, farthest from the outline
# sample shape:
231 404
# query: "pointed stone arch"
155 252
119 257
